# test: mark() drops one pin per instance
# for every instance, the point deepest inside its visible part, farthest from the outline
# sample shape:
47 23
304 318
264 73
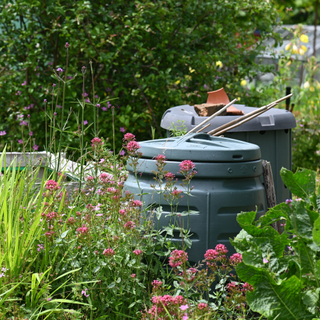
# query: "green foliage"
306 143
284 268
150 55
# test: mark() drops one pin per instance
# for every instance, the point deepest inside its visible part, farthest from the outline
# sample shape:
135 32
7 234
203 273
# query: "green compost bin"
227 182
271 131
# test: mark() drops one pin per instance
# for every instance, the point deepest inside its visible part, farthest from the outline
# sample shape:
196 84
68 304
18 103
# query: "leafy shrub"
149 55
284 269
306 144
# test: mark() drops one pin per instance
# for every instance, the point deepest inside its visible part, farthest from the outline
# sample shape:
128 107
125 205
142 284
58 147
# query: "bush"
150 55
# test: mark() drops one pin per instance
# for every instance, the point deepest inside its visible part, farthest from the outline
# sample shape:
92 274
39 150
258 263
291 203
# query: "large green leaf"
281 301
302 183
316 232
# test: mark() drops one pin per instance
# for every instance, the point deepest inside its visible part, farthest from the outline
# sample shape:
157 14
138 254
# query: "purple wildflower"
2 133
24 83
104 109
45 100
67 45
35 147
98 105
20 141
59 70
122 129
23 123
85 122
122 153
31 133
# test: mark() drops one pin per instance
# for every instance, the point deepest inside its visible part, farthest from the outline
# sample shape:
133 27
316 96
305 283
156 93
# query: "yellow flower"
288 63
191 70
306 85
219 64
243 82
303 50
304 38
287 47
312 88
177 82
318 84
294 49
239 99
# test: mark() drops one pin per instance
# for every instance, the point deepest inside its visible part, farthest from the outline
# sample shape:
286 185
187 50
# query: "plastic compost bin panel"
271 131
221 189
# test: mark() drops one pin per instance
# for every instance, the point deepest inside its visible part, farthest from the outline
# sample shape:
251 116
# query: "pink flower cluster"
129 137
108 252
177 258
52 185
164 304
71 221
176 192
133 147
236 258
186 166
202 306
136 203
169 176
83 230
156 283
130 225
51 215
96 142
137 252
160 158
214 255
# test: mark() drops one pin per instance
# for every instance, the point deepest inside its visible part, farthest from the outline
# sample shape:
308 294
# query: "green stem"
62 111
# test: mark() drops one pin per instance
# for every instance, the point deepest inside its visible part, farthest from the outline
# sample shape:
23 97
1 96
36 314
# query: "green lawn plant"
284 269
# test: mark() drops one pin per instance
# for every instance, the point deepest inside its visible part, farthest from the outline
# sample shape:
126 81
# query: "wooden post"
270 191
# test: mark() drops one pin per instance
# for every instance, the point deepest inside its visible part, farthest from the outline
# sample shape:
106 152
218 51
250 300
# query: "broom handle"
245 120
226 125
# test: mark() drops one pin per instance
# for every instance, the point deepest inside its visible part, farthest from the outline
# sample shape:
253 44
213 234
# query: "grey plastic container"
271 131
227 182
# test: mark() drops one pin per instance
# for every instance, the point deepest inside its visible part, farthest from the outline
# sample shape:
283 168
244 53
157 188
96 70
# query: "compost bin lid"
273 119
201 147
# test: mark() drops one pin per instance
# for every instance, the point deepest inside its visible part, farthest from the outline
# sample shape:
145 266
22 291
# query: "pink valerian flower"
202 306
211 256
122 212
51 215
236 258
264 260
133 146
177 258
288 201
166 303
2 133
71 221
90 178
169 176
221 248
137 252
232 286
82 231
108 252
49 234
186 166
176 192
129 137
160 158
156 283
96 142
136 203
52 185
130 225
247 287
133 275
